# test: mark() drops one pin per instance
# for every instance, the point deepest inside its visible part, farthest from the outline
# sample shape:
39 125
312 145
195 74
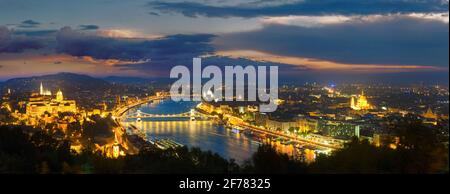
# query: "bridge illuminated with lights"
192 114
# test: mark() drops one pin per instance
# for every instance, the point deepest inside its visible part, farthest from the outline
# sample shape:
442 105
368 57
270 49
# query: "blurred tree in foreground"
419 151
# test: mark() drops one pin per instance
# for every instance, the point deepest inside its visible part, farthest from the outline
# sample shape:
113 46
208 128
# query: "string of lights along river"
205 135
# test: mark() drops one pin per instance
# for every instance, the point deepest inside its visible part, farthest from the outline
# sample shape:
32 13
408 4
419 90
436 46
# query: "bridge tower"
192 114
138 116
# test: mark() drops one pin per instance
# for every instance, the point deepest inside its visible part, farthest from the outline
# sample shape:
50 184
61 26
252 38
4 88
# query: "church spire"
41 89
44 92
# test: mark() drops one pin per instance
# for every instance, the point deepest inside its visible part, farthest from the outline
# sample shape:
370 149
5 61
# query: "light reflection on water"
203 134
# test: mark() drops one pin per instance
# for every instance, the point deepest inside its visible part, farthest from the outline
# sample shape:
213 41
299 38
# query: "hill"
74 83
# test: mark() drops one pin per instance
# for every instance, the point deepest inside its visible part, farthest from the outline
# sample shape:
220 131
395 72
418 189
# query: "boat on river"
165 144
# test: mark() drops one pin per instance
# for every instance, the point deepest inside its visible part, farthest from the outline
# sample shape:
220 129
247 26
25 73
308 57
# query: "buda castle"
44 102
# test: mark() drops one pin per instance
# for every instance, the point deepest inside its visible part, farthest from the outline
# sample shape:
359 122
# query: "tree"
292 129
419 151
5 116
268 161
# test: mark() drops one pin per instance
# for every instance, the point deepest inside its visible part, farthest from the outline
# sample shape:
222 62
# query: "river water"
203 134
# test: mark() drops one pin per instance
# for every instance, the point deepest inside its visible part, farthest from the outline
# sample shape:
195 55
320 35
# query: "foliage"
98 126
5 116
419 151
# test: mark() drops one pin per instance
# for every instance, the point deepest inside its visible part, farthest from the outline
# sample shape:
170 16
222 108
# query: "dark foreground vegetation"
419 151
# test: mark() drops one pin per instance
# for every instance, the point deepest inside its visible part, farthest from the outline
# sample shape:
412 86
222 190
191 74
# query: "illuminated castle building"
44 92
44 103
359 102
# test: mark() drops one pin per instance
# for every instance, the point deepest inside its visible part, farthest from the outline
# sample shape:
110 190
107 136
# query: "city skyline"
245 90
400 41
314 124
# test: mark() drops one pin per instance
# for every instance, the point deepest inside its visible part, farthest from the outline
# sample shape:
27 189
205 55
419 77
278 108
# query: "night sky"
404 40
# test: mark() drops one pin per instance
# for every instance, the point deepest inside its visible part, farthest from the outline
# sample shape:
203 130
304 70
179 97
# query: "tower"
115 147
41 89
192 115
352 102
359 102
362 102
44 92
118 100
59 96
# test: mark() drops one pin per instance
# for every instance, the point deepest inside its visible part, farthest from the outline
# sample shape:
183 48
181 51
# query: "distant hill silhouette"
67 82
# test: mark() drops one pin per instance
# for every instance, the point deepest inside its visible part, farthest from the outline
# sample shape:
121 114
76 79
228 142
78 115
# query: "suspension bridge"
192 114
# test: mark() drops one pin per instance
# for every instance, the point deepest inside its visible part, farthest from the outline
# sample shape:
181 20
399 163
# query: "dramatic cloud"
315 21
304 7
89 27
162 51
391 40
221 61
323 65
163 69
12 43
153 56
30 63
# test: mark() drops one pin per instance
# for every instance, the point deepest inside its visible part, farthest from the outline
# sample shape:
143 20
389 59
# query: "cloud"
163 69
402 43
89 27
153 56
12 43
124 33
31 63
305 7
314 21
153 13
29 24
35 33
392 40
162 51
322 65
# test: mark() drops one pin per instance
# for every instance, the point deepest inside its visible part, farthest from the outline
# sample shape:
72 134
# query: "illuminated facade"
340 129
386 140
44 92
280 125
359 102
306 125
59 96
430 114
39 105
430 117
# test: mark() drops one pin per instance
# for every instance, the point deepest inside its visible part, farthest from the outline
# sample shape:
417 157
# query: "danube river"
203 134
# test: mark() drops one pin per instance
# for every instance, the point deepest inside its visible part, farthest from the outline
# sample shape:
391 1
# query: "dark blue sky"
328 39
